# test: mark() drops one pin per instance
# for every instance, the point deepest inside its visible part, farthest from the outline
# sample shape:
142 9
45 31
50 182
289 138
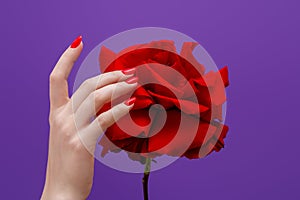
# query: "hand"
70 167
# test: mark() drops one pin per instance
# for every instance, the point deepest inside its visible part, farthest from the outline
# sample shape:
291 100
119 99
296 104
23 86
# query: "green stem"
146 178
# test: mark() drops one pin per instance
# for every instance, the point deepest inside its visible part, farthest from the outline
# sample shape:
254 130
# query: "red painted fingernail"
130 101
129 71
76 42
132 80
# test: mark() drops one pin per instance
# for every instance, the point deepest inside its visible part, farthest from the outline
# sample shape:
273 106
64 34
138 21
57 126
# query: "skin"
73 135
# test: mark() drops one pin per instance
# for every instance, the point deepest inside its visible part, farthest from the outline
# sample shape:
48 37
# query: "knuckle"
67 131
115 75
87 83
122 87
97 97
75 144
66 128
100 78
56 122
103 121
55 77
63 125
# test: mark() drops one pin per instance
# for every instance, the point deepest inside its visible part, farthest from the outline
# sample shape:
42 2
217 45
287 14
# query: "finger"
97 82
92 104
59 76
91 134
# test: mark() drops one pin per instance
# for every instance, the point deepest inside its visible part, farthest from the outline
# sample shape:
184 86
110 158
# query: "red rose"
190 97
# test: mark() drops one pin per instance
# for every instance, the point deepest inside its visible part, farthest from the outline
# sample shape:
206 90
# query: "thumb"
59 76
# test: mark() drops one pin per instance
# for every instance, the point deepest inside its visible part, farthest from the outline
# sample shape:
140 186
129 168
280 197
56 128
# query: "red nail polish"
76 42
130 101
132 80
129 71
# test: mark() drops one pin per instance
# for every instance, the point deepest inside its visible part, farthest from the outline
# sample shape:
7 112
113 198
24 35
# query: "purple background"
259 40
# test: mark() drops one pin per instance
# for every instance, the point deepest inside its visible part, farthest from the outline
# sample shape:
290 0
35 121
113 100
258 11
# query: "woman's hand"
70 167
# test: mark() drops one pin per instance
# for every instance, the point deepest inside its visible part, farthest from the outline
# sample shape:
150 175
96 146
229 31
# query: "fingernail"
129 71
76 42
132 80
130 101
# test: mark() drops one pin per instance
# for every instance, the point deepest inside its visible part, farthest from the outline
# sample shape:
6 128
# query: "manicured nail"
130 101
76 42
129 71
132 80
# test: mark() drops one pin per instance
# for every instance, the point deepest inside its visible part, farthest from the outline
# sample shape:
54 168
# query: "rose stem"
146 178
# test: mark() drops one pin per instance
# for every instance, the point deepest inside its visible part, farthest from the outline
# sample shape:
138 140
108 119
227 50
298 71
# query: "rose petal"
155 74
187 53
185 106
106 57
211 144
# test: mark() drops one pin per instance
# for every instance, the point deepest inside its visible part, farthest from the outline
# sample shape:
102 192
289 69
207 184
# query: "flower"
190 123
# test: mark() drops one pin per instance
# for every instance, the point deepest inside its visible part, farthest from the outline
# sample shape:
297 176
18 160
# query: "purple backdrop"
259 40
